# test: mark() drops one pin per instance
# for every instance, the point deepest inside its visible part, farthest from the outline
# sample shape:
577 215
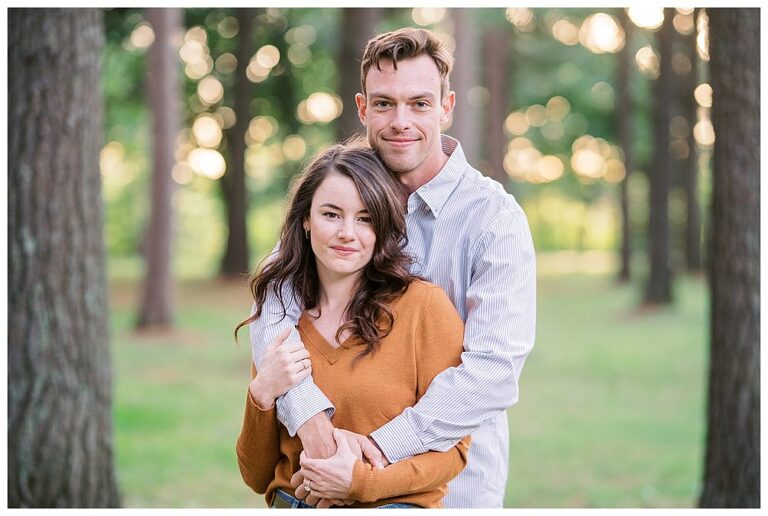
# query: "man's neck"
418 177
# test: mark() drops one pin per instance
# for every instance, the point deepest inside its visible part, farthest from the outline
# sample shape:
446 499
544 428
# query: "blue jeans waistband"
291 502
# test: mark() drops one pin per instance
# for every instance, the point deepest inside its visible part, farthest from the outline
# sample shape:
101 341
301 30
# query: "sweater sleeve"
439 343
425 472
258 449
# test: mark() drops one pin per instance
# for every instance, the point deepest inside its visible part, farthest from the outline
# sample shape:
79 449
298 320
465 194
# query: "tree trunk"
465 126
691 170
59 372
658 288
732 470
624 132
496 72
358 25
236 261
163 84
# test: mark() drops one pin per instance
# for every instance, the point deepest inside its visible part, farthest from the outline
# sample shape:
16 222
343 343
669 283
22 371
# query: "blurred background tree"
60 451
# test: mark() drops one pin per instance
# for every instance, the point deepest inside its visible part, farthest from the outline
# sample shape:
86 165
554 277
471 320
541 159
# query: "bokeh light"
703 95
294 147
142 36
600 33
210 90
565 32
428 15
268 56
648 62
521 18
646 17
207 162
207 131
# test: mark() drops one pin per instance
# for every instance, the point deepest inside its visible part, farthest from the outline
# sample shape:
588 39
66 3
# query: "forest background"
599 122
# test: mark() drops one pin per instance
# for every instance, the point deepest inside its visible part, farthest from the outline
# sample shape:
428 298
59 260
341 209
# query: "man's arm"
499 333
303 410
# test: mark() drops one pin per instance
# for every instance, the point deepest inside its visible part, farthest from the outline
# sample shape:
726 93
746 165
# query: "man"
468 236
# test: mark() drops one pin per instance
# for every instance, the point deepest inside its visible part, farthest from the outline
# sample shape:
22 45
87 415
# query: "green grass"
611 412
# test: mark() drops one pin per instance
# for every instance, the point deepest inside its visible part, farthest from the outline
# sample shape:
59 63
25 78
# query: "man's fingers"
280 339
312 499
292 346
324 503
341 441
372 453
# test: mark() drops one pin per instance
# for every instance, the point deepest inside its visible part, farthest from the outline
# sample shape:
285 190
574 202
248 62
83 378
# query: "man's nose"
401 118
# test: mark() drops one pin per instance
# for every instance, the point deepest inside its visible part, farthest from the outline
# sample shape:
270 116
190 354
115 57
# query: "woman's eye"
330 215
367 220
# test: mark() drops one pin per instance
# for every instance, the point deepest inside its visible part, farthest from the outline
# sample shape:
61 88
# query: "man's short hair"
407 43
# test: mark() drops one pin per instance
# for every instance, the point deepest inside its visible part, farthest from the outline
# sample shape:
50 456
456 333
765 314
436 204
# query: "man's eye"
422 105
381 104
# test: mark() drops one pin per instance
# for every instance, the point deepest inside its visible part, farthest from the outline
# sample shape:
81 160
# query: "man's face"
403 113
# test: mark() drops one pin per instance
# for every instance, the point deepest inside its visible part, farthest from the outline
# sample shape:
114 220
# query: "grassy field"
611 411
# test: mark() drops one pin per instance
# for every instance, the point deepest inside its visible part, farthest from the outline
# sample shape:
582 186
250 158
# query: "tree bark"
496 74
624 132
466 123
236 261
358 25
658 289
732 467
59 372
163 84
691 164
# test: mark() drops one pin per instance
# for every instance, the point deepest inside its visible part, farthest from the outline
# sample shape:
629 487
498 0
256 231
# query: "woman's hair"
368 315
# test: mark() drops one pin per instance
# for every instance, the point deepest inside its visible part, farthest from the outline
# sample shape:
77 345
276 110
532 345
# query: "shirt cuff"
397 440
295 407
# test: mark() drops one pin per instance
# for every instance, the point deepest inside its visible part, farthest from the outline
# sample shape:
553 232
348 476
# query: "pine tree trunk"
466 122
163 85
59 372
658 288
358 25
624 131
691 171
236 256
732 469
496 73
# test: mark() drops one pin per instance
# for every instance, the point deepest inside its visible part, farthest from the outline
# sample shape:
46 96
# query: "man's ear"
361 107
447 105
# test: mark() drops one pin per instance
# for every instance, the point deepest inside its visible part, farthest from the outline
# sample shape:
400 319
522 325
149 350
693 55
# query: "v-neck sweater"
426 338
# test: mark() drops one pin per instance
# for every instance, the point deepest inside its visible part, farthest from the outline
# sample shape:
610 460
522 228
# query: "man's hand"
284 365
365 449
330 478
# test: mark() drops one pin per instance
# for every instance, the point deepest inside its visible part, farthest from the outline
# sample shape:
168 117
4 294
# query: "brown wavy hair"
368 316
407 43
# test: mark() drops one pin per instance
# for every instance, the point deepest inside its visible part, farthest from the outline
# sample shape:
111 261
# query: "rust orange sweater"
426 338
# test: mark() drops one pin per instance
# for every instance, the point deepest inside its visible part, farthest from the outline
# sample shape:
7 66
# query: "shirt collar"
436 192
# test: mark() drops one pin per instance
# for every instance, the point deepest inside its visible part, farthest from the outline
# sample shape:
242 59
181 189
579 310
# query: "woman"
375 335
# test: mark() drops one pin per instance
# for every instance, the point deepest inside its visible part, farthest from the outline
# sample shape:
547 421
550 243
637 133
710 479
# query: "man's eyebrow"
423 95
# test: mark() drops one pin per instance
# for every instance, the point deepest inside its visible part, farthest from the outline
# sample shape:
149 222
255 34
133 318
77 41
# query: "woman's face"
341 233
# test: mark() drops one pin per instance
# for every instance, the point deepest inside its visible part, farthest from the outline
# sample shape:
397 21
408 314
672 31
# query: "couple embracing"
391 324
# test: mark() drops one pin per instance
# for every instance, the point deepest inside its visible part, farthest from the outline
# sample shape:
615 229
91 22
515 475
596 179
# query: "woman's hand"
330 478
284 365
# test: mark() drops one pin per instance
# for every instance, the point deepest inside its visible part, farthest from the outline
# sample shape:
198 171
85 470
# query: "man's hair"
407 43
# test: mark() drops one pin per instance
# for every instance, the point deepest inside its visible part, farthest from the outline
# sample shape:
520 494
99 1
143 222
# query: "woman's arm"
258 450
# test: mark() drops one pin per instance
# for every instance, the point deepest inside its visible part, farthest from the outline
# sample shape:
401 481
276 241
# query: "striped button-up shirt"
472 238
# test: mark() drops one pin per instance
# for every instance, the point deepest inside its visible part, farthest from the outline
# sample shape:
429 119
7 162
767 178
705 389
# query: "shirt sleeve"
305 399
499 333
